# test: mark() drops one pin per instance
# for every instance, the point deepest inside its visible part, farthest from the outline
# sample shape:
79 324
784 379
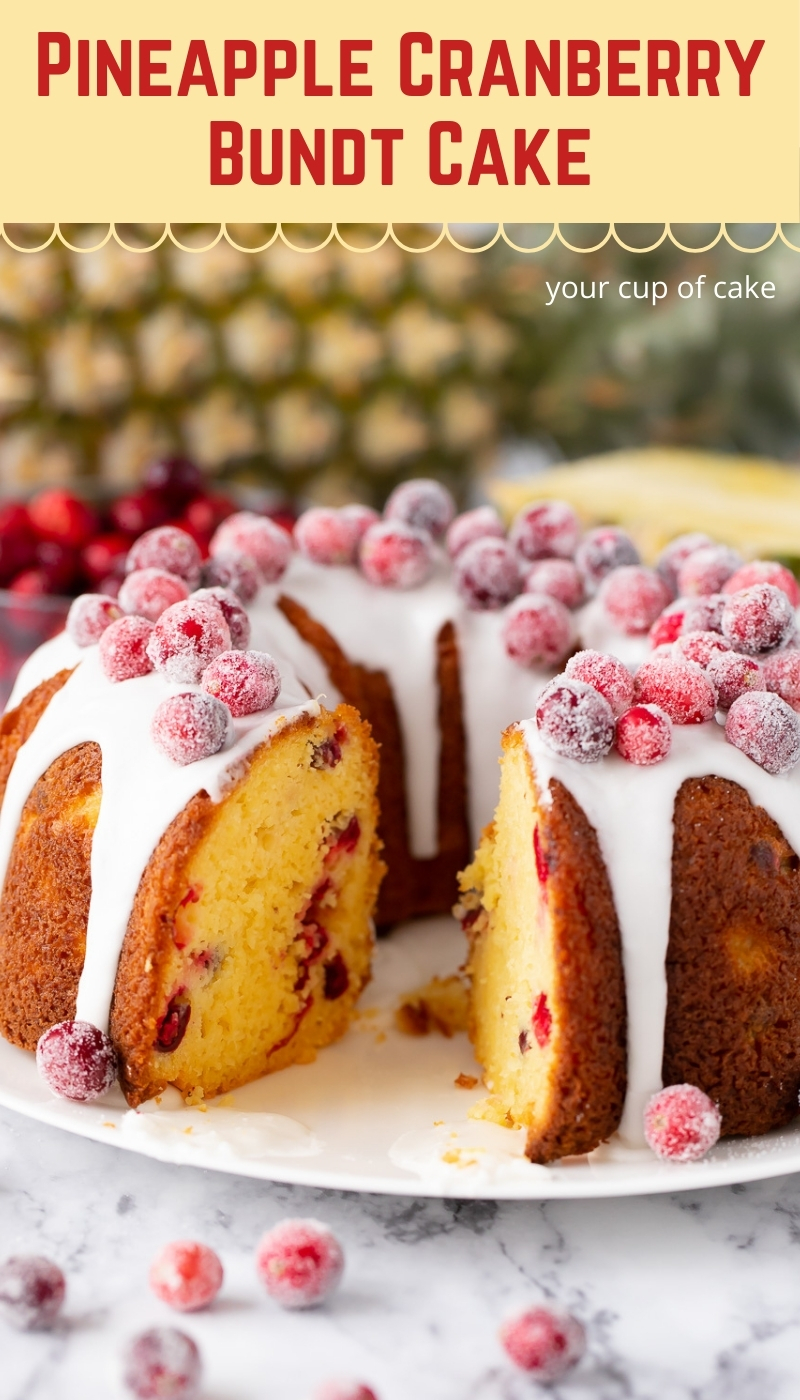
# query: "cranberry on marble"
574 720
186 1275
479 524
544 1343
166 548
681 1123
395 555
600 551
191 726
32 1291
765 571
161 1363
422 503
734 674
258 536
679 687
232 610
545 530
765 728
560 578
76 1060
327 536
758 619
123 649
149 592
186 638
537 630
300 1263
89 616
707 569
245 681
644 735
486 574
633 597
238 573
607 674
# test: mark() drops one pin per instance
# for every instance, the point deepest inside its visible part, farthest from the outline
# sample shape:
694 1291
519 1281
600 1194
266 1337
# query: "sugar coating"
395 555
601 550
644 735
479 524
190 726
766 728
706 569
607 674
701 646
123 649
667 627
734 674
423 503
299 1262
679 687
76 1060
186 639
255 535
235 571
32 1291
169 548
782 675
327 536
186 1275
232 610
545 530
543 1342
559 577
344 1390
758 619
162 1362
537 630
149 592
487 575
360 517
704 614
633 597
245 681
681 1123
89 616
764 571
574 720
676 553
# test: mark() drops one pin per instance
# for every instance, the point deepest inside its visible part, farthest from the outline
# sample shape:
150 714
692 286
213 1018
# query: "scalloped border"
444 235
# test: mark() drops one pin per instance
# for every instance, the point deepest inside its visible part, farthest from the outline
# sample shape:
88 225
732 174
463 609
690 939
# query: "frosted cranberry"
644 735
758 619
782 675
32 1291
679 687
667 627
395 555
327 536
149 592
543 1342
675 554
166 548
479 524
706 569
765 728
59 515
633 597
765 571
89 616
607 674
186 638
162 1362
601 551
189 727
557 577
141 511
486 574
734 674
110 586
237 572
681 1123
175 479
245 681
360 518
344 1390
76 1060
123 649
574 720
423 504
299 1262
104 556
703 614
545 530
186 1275
259 537
701 646
233 612
537 631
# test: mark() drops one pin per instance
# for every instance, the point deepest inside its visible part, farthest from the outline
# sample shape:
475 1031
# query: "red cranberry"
704 614
537 630
765 728
258 537
360 518
32 1291
781 673
557 577
395 555
706 569
344 1390
541 1020
486 574
300 1263
110 586
327 536
89 616
603 550
679 687
633 597
245 681
607 674
149 592
675 554
123 649
764 571
233 612
60 516
681 1123
176 479
237 572
667 628
701 646
479 524
162 1362
104 556
545 530
190 726
17 541
423 504
644 735
31 583
207 512
166 548
134 514
336 978
734 674
758 619
574 720
186 638
172 1026
59 563
186 1275
76 1060
543 1342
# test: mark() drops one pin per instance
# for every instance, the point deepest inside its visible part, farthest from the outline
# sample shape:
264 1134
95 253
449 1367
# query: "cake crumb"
493 1111
441 1005
194 1099
465 1081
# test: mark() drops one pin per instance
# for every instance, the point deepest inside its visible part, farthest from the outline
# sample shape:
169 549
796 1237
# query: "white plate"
380 1112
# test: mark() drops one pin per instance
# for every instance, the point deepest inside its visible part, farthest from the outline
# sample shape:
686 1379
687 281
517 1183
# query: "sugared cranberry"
545 530
166 548
327 536
360 517
633 597
76 1060
186 1275
479 524
706 569
395 555
104 556
675 554
423 504
781 674
245 681
344 1390
189 727
89 616
237 572
704 614
574 720
233 612
60 516
765 571
601 551
607 674
123 649
300 1263
701 646
149 592
667 627
681 1123
486 574
134 514
257 536
162 1362
186 638
764 727
537 630
758 619
679 687
644 735
734 674
176 479
545 1343
32 1291
559 578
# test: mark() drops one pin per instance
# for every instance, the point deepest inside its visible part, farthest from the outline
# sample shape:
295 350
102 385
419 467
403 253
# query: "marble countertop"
688 1297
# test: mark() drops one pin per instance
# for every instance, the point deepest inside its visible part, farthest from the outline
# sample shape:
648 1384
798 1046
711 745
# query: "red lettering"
655 73
226 153
578 67
488 146
233 70
48 68
744 65
407 84
273 47
526 157
567 157
311 87
549 73
83 67
617 69
258 175
347 68
499 70
437 175
148 69
387 136
341 138
449 73
697 75
197 56
120 72
300 153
